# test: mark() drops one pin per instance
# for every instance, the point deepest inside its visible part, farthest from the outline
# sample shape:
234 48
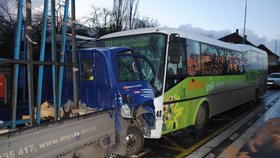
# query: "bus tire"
255 99
201 117
134 141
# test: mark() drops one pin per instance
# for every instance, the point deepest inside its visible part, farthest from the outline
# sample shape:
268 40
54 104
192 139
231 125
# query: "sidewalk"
261 140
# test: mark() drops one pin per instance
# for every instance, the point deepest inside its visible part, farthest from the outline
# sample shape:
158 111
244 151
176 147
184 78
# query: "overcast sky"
218 17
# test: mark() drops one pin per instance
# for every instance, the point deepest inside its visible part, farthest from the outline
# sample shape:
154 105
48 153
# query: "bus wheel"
201 117
255 99
134 141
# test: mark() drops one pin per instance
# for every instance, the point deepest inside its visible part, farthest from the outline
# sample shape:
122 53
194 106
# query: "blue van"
114 78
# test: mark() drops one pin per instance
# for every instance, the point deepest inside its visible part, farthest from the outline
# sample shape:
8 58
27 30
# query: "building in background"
236 39
272 58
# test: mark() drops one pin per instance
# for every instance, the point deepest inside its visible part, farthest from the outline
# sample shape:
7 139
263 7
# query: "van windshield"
127 69
151 45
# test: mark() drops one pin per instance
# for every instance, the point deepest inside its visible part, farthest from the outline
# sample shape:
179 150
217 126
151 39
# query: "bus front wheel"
134 141
201 117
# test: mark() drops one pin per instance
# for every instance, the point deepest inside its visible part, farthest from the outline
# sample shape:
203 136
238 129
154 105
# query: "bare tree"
100 20
132 12
124 14
145 22
7 18
7 26
118 13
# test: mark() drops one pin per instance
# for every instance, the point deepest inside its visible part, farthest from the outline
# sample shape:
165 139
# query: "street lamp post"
245 22
276 46
276 43
278 61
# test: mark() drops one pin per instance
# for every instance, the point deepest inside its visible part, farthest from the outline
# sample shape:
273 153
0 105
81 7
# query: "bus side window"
207 59
221 58
234 62
240 60
245 61
193 58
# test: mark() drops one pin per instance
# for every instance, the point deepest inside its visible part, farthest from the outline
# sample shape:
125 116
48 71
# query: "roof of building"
269 52
235 38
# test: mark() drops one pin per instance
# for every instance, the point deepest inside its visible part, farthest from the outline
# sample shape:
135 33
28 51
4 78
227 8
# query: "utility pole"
30 58
276 43
74 56
245 22
276 46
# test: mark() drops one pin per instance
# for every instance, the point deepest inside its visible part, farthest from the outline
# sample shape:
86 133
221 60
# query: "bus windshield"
152 46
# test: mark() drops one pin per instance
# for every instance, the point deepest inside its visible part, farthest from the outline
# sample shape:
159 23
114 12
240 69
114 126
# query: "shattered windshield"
152 46
127 70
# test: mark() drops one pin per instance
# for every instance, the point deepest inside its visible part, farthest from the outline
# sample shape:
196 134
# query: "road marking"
234 136
211 155
171 148
178 147
250 123
207 139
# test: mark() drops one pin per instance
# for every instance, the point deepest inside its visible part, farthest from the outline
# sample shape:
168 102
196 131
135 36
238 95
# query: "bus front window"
152 46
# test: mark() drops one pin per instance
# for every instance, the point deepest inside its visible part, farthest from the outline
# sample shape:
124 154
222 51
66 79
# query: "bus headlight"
125 111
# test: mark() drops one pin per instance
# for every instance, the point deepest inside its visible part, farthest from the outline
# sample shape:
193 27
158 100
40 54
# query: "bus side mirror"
174 48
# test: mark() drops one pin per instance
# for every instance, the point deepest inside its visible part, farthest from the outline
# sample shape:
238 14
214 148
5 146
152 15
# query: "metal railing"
57 80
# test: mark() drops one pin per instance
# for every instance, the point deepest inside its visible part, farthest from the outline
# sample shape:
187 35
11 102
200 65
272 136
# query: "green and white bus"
196 77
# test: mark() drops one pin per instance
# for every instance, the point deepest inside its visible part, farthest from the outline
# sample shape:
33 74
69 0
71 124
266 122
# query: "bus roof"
144 31
184 34
169 31
246 48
